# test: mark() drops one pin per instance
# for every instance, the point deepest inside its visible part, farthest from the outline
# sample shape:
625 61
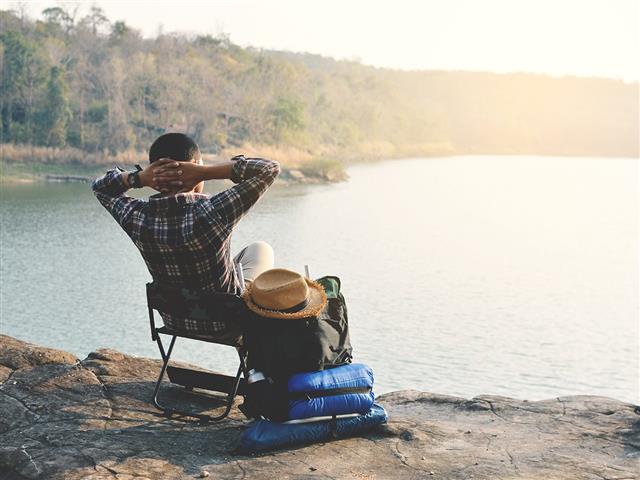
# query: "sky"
558 37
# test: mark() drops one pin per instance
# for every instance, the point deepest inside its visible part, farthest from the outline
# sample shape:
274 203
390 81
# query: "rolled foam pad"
263 435
354 375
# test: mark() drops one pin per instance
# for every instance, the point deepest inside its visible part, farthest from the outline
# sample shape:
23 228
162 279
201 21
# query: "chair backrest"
195 304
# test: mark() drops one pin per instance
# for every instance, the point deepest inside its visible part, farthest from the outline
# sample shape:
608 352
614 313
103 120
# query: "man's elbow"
106 182
100 184
273 168
276 168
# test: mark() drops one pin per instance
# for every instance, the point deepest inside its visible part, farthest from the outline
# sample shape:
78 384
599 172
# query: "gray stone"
297 175
18 354
93 420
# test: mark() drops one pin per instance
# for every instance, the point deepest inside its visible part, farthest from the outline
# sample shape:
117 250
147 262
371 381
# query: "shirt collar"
159 202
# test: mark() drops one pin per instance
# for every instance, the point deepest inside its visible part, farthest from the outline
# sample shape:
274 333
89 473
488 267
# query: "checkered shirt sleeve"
252 176
109 190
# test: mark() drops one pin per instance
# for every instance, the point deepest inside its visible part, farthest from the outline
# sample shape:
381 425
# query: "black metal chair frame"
191 379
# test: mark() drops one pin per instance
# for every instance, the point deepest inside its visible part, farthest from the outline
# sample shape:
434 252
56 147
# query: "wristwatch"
134 179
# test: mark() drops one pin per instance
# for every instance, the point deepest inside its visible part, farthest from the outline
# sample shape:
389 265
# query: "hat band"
296 308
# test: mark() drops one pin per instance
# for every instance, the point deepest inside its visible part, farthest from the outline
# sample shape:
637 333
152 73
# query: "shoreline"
68 173
287 176
319 164
15 173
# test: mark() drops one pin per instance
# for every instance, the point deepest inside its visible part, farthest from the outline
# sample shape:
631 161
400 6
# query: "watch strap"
134 179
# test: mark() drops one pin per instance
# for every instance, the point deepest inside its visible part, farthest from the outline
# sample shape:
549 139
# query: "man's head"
176 146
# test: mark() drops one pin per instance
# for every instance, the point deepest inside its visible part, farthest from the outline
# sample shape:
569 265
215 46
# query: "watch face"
133 179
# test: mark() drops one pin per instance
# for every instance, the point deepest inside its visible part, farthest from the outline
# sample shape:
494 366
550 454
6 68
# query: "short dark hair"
176 146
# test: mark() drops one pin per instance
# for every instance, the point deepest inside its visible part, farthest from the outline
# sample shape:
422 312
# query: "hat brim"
317 301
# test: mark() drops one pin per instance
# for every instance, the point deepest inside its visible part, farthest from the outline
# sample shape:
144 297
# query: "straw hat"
284 294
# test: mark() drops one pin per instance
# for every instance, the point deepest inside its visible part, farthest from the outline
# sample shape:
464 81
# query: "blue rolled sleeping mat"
336 391
263 435
333 403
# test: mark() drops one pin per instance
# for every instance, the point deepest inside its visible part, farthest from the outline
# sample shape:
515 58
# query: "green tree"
56 112
95 19
21 71
119 30
287 115
59 18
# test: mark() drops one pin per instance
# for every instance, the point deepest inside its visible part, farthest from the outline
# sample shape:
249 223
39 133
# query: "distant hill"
499 113
98 86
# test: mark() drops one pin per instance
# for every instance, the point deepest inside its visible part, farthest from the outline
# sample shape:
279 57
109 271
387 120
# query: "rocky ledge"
91 419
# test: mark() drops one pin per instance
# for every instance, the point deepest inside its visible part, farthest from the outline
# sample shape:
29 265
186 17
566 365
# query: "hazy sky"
580 37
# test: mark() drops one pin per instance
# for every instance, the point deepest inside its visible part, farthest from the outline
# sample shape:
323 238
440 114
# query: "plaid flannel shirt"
185 239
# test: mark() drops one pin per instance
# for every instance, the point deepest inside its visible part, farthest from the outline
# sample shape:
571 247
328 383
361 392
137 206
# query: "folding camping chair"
195 305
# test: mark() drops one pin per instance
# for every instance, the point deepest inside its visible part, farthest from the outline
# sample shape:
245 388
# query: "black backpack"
280 348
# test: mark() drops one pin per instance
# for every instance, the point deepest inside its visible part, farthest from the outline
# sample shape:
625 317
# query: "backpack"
279 348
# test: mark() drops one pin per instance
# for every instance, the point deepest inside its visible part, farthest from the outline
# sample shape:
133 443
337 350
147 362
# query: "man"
184 235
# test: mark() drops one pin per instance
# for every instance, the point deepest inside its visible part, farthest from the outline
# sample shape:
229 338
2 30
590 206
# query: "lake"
506 275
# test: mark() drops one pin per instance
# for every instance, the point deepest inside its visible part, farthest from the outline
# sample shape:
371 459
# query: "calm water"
503 275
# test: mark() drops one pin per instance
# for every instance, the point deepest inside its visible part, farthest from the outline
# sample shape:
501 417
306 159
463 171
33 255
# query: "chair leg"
165 362
242 355
160 346
203 418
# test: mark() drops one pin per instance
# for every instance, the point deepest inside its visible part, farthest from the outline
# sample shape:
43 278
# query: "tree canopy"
97 85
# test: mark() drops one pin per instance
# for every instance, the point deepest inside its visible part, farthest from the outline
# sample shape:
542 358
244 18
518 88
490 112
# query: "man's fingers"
167 174
170 164
169 167
158 184
163 162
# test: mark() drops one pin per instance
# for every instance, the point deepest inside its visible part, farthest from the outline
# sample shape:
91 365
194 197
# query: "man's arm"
253 176
179 176
110 191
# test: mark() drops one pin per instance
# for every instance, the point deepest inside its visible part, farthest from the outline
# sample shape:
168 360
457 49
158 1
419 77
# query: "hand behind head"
171 177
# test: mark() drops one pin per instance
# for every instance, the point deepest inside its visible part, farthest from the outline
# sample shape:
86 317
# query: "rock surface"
91 419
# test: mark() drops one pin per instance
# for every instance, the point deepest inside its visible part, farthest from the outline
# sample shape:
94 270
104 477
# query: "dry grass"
292 157
286 155
289 156
12 153
326 161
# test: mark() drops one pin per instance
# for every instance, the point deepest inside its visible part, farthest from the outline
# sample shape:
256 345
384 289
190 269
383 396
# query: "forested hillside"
81 81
